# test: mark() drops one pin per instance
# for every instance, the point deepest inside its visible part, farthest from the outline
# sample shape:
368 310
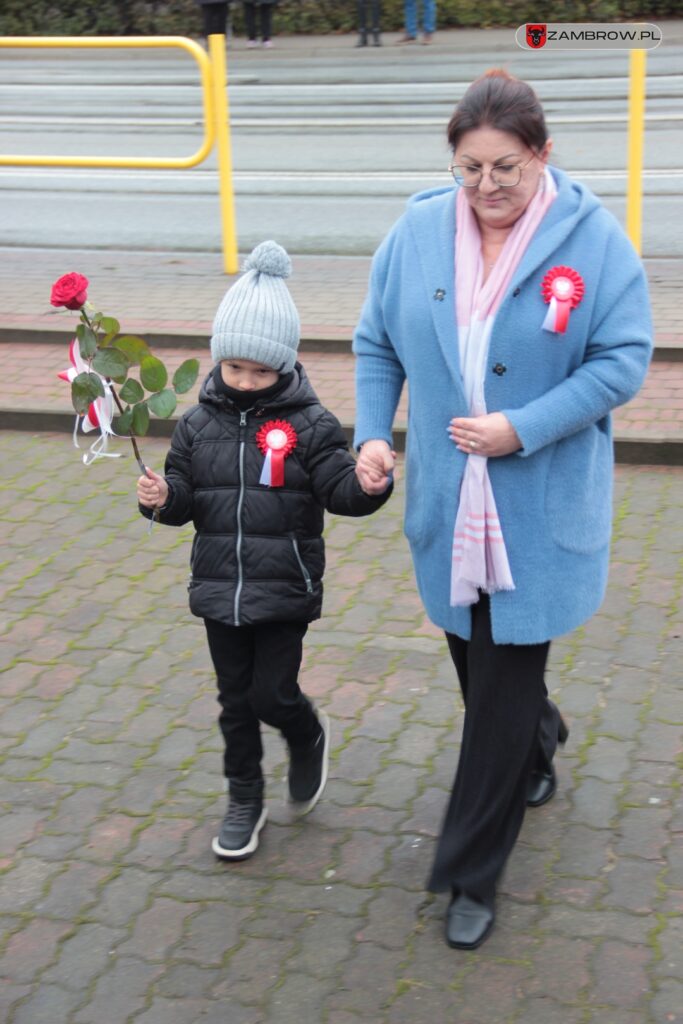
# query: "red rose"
71 291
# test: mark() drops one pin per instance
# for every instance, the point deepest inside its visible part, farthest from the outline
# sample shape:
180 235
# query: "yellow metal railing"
216 126
636 126
216 129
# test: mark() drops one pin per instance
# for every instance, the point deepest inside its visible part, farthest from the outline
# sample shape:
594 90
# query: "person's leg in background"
362 23
428 20
215 19
410 18
250 23
266 24
376 16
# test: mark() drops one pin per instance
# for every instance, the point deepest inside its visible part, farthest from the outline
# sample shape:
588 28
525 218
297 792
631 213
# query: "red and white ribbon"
563 289
276 439
100 412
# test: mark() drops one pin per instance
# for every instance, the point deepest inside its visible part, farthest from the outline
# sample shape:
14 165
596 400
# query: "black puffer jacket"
258 554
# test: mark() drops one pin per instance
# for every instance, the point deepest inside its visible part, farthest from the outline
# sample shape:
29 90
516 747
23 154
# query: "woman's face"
486 148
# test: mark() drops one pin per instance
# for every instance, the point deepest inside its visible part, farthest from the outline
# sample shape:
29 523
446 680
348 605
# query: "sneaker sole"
247 850
303 807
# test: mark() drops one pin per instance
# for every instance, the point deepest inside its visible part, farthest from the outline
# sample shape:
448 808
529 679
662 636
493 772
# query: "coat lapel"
435 241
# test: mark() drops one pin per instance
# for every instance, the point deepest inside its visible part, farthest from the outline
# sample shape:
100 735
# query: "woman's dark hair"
499 100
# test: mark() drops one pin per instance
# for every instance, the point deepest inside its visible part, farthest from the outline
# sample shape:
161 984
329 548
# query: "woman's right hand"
375 465
152 490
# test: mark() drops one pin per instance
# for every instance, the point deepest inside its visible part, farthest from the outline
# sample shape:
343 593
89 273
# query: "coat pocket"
302 567
579 490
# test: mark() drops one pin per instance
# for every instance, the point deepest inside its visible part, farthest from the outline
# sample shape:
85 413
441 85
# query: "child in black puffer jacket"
254 465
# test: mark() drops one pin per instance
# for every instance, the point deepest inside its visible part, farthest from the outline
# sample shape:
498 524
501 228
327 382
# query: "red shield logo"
536 36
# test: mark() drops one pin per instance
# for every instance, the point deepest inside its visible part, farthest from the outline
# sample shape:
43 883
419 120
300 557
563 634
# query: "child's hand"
152 490
375 466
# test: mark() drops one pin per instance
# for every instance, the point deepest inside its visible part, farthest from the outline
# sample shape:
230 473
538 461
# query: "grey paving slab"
112 905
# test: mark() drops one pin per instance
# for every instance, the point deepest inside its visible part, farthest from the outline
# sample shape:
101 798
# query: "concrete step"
649 430
325 338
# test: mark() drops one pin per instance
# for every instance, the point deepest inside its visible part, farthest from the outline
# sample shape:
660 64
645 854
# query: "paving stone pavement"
112 907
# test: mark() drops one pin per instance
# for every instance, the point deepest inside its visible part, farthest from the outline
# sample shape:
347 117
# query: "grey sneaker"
308 770
238 837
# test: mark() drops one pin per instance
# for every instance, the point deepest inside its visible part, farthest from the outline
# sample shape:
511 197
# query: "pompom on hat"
257 318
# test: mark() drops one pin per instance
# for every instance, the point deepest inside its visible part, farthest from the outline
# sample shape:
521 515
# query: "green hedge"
182 17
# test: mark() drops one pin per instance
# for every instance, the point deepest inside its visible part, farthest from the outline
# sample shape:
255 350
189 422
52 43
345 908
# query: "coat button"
517 291
499 369
439 294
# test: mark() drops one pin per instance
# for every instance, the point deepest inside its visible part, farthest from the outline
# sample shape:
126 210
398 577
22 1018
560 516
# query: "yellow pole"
636 117
227 198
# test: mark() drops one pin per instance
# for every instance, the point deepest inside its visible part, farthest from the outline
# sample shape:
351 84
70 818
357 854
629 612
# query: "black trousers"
363 6
265 14
510 728
215 18
257 670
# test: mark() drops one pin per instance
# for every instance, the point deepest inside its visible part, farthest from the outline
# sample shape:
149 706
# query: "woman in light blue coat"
517 311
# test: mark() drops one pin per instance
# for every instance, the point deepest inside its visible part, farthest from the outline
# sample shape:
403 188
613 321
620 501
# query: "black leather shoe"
468 922
540 788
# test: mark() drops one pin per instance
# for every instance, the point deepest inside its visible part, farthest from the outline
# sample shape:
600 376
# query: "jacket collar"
298 392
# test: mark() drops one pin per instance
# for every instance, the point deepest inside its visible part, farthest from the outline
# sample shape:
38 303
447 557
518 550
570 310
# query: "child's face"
244 375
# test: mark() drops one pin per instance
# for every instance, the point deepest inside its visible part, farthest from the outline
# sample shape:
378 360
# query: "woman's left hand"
489 435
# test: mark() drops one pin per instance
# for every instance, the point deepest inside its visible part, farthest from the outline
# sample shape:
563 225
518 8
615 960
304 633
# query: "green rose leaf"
125 421
134 348
87 341
163 403
185 376
153 374
140 419
110 325
111 363
85 388
131 392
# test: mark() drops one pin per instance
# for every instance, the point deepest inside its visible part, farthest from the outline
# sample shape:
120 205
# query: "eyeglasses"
502 175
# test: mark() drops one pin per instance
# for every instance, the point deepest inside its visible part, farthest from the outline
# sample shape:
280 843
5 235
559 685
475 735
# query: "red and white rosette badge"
276 439
563 288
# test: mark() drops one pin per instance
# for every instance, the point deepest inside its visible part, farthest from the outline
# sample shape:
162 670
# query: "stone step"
324 338
649 430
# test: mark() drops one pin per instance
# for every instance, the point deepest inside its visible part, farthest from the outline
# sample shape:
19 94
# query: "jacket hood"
298 392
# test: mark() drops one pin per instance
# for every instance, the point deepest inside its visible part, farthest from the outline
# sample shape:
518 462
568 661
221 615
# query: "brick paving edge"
636 451
340 341
317 341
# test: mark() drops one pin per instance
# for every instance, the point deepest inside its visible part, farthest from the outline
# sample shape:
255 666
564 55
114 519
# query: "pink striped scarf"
480 561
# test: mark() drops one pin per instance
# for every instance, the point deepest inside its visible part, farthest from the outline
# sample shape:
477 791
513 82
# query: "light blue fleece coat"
554 497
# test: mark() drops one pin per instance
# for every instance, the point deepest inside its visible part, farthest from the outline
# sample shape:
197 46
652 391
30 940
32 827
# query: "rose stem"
132 439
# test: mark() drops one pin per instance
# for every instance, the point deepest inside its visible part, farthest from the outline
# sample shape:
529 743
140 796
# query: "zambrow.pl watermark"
588 36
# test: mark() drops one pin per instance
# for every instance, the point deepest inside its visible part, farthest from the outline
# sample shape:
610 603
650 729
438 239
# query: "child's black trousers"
257 669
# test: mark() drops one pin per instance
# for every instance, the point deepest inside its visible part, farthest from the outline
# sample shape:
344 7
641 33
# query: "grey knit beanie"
257 318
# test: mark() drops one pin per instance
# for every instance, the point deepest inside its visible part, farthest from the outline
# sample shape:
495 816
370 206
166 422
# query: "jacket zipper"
240 501
304 571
